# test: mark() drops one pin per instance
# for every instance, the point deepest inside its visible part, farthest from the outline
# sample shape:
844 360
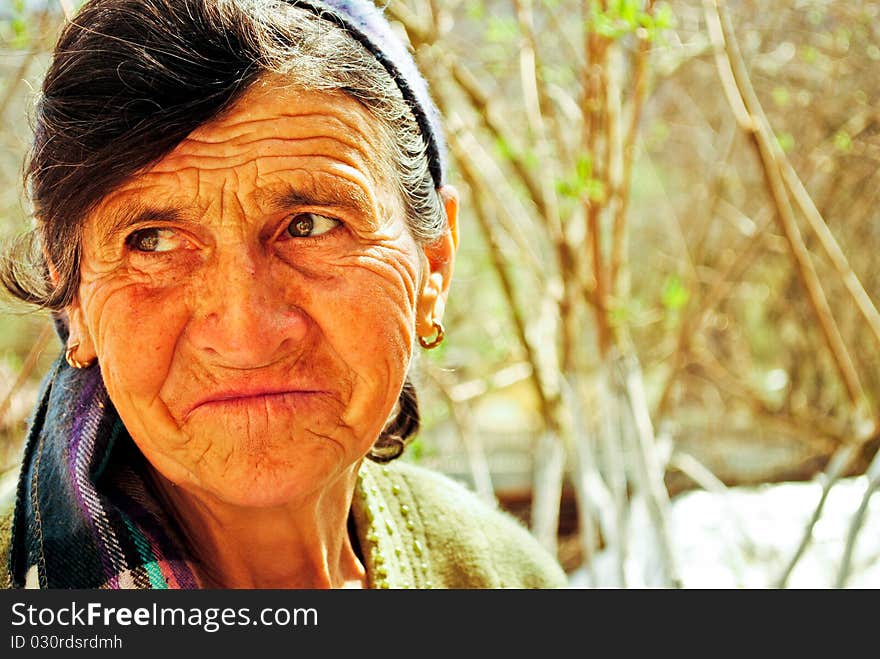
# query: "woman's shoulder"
471 543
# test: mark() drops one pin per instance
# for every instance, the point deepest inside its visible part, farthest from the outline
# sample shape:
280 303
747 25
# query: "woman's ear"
440 256
80 344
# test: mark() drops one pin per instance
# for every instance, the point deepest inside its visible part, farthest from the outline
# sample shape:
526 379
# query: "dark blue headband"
366 25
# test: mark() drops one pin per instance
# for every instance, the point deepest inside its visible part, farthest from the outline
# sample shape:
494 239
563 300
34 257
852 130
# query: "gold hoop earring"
437 340
72 361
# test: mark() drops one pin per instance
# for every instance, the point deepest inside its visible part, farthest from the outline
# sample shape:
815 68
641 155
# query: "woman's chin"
269 495
256 484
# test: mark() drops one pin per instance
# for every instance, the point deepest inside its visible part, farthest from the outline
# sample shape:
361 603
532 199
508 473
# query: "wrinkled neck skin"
300 544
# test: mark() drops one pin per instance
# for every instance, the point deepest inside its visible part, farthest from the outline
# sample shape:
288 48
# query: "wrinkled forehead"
272 98
273 109
323 142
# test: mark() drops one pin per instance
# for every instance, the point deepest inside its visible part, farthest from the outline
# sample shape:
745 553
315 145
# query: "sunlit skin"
253 301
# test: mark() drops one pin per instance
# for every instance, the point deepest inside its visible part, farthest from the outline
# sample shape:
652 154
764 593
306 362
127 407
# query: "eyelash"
322 236
132 237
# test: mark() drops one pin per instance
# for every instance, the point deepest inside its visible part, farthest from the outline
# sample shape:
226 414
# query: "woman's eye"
308 225
153 240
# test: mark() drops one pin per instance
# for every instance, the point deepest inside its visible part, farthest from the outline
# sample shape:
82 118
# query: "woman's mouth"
250 400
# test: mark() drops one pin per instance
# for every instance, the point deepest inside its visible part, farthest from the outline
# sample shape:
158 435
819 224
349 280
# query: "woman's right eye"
153 240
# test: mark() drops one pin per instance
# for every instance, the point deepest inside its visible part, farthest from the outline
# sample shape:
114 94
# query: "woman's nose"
243 318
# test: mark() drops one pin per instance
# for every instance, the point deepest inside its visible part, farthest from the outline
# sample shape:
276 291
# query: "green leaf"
476 11
415 450
786 141
584 168
596 190
19 26
501 29
565 189
604 26
781 96
620 315
674 295
843 141
627 12
582 182
809 54
664 18
20 33
504 149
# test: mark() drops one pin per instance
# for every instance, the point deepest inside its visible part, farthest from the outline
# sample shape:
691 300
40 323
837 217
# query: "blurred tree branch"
735 80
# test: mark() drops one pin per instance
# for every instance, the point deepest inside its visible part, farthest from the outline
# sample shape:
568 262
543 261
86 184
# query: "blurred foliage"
757 366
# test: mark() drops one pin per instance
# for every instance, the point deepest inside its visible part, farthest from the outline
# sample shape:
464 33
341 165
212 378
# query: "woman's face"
252 298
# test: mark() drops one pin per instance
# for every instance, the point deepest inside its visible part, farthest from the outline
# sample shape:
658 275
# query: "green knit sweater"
419 529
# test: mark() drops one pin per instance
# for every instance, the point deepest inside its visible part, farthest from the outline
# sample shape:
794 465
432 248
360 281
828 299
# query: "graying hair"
322 60
67 176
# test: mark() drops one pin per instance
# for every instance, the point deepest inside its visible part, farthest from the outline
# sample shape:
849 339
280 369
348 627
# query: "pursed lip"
247 395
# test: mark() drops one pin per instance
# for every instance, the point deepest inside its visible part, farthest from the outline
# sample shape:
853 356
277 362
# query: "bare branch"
504 377
67 8
618 236
740 95
420 31
832 249
516 222
703 476
648 468
28 366
480 193
691 325
858 520
728 57
837 466
471 442
20 73
479 100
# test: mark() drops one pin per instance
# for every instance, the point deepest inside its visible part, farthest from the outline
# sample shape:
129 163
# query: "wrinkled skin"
252 300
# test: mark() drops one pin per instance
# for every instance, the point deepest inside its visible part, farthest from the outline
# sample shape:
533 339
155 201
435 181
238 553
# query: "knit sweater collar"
390 530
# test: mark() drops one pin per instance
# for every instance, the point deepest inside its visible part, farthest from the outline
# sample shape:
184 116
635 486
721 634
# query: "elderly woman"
243 229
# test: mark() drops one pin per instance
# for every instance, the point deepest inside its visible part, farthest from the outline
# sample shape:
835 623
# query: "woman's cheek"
138 328
373 333
378 303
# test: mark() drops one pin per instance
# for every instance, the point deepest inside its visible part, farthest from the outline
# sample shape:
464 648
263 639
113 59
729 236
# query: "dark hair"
130 79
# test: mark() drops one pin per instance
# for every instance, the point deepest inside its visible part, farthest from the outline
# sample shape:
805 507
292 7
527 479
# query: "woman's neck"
303 544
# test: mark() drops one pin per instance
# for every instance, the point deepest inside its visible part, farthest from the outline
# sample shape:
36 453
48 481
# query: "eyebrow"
350 197
130 214
278 198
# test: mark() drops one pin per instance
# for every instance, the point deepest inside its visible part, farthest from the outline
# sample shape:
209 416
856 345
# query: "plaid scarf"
86 514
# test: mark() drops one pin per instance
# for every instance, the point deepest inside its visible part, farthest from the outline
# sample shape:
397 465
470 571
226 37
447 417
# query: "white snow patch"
744 538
